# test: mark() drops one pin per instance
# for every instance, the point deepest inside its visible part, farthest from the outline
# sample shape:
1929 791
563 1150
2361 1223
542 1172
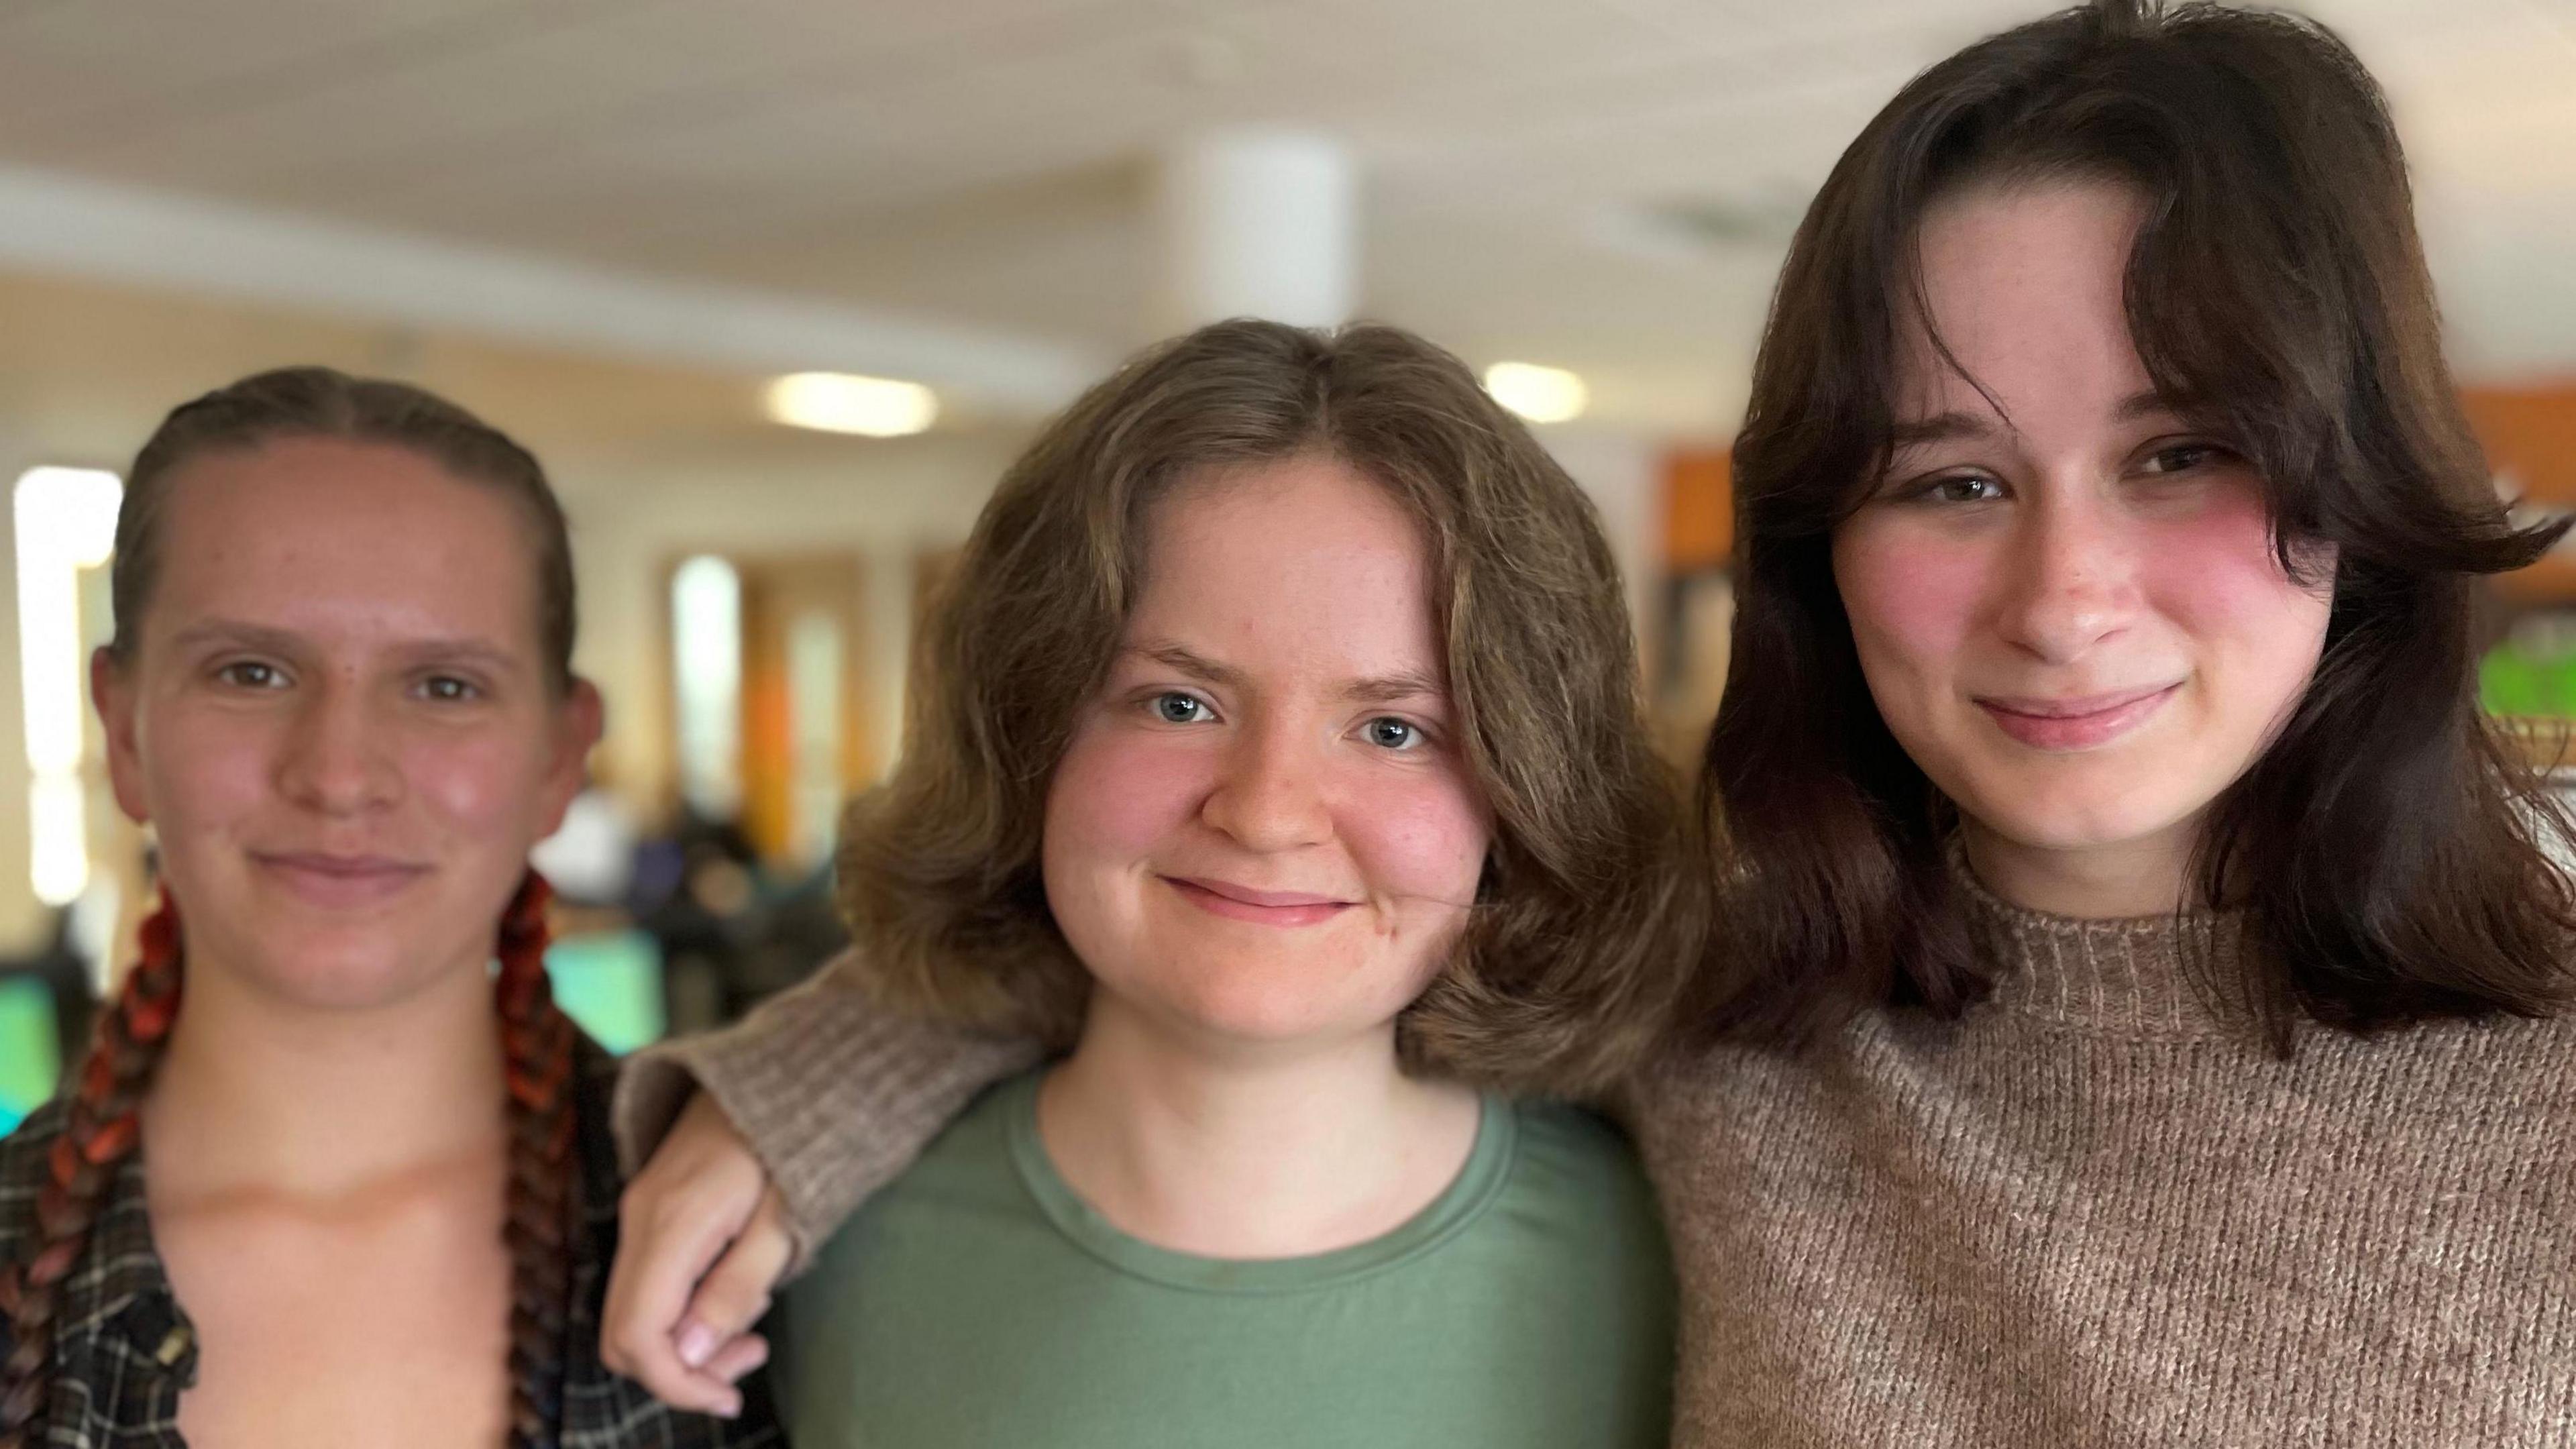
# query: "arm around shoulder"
834 1094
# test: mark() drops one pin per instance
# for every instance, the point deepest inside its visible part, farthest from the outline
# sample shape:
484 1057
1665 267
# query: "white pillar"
24 921
1256 224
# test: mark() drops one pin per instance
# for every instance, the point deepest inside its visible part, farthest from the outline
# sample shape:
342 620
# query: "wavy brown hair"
2386 849
1582 916
102 1124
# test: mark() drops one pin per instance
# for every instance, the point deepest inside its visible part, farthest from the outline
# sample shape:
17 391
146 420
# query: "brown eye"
448 689
1965 488
251 674
2183 457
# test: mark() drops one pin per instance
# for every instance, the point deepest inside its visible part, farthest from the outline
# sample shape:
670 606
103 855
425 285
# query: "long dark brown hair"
1585 910
102 1121
2386 850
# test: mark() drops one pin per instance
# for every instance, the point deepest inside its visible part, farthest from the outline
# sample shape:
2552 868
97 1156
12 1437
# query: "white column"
24 920
1256 224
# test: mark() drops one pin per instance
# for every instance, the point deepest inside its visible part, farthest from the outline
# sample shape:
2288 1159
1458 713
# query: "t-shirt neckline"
1464 1200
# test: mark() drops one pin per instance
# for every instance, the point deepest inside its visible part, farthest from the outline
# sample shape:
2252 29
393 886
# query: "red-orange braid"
544 1202
100 1131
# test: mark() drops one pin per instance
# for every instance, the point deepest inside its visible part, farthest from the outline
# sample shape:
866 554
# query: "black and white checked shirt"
123 1349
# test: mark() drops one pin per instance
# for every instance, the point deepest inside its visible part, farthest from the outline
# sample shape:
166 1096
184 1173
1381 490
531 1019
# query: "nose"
336 757
2071 579
1268 794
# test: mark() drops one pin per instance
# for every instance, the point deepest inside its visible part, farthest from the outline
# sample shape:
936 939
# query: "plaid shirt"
123 1349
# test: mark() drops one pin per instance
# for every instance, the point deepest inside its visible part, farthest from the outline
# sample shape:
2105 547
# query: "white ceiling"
983 161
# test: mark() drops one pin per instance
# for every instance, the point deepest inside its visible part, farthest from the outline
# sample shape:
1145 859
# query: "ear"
578 721
113 696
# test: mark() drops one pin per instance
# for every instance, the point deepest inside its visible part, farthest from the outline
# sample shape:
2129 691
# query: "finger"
738 1358
735 1292
662 1251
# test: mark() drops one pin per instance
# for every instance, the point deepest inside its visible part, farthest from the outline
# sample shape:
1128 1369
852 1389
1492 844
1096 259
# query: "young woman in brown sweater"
2139 1006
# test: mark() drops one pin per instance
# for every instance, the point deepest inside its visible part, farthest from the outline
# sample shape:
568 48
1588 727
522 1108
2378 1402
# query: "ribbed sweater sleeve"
834 1094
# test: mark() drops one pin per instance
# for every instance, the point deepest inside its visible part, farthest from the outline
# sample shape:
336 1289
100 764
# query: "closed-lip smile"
2077 722
333 879
1248 903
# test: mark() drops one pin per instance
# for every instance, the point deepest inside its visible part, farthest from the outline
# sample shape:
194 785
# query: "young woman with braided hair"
302 1191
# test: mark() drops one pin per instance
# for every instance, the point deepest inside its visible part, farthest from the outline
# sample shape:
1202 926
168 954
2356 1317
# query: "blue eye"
1390 733
1177 708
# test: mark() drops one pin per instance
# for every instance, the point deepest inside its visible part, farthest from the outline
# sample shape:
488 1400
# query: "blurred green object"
30 1056
2512 681
611 983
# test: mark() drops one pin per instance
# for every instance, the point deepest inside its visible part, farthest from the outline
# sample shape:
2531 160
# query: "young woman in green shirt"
1240 778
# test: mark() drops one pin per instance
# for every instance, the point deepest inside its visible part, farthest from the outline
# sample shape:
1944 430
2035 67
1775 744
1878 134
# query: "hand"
677 1317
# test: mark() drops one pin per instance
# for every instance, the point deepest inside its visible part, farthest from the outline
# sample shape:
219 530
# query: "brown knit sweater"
2095 1212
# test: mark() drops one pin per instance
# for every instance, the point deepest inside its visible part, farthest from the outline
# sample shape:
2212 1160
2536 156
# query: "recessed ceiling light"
845 402
1540 394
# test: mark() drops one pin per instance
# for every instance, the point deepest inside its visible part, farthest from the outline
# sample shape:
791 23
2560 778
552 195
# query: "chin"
2083 809
342 971
2079 826
1240 1003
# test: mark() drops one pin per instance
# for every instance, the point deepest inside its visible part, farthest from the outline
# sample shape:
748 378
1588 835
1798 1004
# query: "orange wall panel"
1699 509
2530 433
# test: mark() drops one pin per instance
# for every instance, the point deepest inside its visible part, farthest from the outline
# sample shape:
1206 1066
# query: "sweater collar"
2144 975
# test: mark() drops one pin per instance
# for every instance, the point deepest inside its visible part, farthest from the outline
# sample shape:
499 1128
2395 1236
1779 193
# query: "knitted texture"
2096 1212
835 1096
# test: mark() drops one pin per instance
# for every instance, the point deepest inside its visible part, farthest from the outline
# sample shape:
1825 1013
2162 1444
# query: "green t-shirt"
978 1302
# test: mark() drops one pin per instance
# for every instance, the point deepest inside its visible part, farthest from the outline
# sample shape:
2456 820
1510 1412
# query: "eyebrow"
1375 689
246 636
1950 426
268 640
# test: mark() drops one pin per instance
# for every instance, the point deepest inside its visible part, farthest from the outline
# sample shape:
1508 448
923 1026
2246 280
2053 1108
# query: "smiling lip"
2076 724
339 880
1267 908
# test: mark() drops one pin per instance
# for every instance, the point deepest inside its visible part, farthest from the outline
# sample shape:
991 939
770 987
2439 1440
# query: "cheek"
1912 595
200 770
1422 839
1116 797
489 784
2214 576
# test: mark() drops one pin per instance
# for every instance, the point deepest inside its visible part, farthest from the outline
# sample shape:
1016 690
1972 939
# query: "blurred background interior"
776 287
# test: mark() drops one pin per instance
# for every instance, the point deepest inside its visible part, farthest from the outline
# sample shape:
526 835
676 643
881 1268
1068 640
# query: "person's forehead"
2025 285
323 522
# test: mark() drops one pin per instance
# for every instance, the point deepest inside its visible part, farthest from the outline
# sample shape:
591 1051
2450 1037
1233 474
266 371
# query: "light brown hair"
1583 915
102 1125
2387 852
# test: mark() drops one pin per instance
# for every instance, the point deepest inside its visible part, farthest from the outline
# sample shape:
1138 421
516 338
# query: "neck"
2148 876
1228 1151
311 1102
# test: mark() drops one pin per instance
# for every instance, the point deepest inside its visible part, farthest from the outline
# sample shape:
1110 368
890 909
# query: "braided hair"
103 1128
538 1041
